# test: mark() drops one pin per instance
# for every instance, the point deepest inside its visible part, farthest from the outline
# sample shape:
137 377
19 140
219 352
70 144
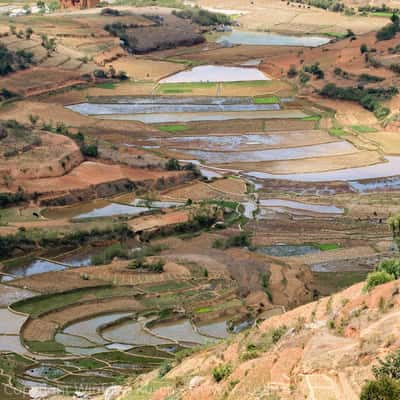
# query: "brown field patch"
40 80
142 69
150 222
230 186
55 156
202 191
245 126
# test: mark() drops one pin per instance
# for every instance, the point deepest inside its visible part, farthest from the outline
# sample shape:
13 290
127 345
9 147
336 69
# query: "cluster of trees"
118 29
49 44
110 74
12 61
389 31
331 5
314 69
203 17
174 165
9 199
378 9
369 98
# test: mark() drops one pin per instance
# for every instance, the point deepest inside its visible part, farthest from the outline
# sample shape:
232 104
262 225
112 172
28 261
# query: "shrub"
203 17
292 72
363 48
381 389
221 372
242 239
387 32
165 367
109 253
377 278
90 150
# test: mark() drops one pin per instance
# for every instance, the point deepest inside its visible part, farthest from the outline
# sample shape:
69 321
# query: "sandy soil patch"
40 80
9 295
318 164
230 186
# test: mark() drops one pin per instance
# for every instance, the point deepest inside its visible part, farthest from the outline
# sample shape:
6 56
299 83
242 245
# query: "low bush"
203 17
386 385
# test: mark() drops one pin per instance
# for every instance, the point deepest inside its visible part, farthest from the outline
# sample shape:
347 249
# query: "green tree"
363 48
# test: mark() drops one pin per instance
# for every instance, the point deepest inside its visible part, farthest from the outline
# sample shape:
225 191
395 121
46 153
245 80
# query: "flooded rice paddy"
216 73
111 109
217 329
246 142
31 267
10 322
270 39
181 331
111 210
88 328
386 169
318 150
287 250
296 205
391 183
132 332
205 116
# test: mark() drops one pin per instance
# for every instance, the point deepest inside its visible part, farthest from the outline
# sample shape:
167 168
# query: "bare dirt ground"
55 156
230 190
151 222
